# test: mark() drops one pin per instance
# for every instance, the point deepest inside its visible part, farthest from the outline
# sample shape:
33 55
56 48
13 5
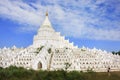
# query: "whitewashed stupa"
50 51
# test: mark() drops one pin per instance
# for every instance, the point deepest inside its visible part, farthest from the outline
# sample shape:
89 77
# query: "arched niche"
39 65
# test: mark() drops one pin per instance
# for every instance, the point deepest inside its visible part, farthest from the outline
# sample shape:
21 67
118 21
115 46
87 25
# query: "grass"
15 73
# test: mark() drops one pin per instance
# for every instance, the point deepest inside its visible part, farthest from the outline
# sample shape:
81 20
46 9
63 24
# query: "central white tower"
47 36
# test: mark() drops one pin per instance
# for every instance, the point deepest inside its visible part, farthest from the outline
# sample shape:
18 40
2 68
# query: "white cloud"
20 12
70 16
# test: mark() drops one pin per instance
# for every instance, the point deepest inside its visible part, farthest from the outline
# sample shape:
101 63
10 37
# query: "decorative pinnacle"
46 13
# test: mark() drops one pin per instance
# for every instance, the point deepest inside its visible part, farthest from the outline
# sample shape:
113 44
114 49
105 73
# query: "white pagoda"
50 51
47 36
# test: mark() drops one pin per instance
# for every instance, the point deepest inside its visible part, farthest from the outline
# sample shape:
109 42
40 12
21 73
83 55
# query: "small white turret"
14 47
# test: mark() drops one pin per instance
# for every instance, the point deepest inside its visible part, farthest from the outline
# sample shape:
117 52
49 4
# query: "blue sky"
92 23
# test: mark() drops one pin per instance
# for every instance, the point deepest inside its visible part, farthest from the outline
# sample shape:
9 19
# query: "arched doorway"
39 65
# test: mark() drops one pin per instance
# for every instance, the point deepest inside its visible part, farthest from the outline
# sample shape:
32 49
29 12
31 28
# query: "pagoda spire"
46 13
46 22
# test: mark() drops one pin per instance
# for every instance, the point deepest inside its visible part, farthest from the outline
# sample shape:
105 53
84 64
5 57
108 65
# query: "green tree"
49 50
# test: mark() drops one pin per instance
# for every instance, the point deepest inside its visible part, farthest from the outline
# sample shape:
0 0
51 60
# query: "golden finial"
46 13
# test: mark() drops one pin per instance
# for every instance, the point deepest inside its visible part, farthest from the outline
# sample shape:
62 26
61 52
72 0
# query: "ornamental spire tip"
47 13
